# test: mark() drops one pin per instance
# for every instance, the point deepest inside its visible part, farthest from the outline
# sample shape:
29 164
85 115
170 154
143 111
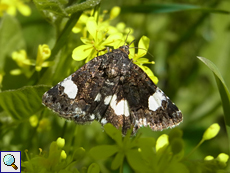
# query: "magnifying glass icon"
9 160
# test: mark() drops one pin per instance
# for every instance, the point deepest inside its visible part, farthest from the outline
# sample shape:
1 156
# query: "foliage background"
176 39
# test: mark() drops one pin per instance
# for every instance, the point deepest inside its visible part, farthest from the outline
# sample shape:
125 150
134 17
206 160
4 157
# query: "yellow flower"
24 63
10 6
97 39
21 58
80 24
96 42
143 46
44 53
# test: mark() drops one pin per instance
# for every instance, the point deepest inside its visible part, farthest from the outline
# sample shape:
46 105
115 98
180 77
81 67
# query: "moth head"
125 49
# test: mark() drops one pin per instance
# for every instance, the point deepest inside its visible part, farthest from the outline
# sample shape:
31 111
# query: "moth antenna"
127 38
143 49
131 42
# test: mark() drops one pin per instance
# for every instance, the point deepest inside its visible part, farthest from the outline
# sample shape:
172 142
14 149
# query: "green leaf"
93 168
136 161
78 154
166 8
54 6
223 90
11 38
117 161
103 151
146 142
82 6
114 133
23 102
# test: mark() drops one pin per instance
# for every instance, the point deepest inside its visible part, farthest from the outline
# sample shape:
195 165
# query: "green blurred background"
176 39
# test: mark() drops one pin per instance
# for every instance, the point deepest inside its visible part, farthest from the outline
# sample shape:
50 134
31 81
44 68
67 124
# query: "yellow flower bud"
63 155
115 12
223 158
209 158
162 141
211 132
33 120
60 142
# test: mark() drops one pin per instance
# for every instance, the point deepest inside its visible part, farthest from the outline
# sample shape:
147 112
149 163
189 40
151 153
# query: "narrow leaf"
114 133
117 161
223 90
82 6
167 8
54 6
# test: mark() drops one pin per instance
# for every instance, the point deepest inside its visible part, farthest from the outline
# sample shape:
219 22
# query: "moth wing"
139 102
77 96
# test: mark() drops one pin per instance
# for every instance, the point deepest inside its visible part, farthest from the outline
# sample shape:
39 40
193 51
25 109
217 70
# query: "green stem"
121 169
194 149
62 39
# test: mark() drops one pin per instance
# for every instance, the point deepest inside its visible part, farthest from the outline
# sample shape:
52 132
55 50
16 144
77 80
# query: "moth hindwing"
112 89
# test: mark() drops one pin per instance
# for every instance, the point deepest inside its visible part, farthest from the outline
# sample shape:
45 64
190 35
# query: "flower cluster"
24 63
56 160
102 34
11 6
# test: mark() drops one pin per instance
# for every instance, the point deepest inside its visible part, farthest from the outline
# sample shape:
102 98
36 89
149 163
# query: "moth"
112 89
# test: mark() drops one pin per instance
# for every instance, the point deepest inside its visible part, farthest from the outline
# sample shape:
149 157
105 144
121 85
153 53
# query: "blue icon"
9 160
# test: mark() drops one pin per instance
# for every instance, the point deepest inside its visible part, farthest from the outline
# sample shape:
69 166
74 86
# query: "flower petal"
86 40
144 61
115 12
24 9
92 27
132 51
81 52
114 40
143 45
162 141
149 73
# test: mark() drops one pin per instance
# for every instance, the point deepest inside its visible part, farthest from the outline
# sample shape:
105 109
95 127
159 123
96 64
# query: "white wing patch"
121 107
155 100
107 100
103 121
98 97
70 88
141 122
92 117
